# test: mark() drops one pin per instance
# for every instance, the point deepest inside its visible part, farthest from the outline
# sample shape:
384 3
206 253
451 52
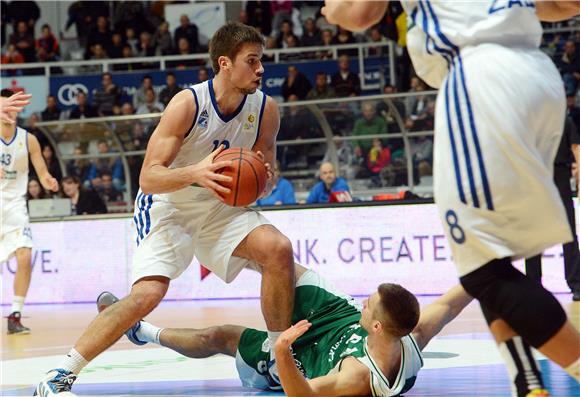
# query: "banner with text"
356 248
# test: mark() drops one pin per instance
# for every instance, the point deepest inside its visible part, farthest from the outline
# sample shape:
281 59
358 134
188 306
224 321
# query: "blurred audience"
295 83
23 39
107 97
345 82
51 162
140 96
51 112
188 31
48 45
169 90
369 124
282 191
151 104
329 184
321 88
35 190
107 190
84 109
85 201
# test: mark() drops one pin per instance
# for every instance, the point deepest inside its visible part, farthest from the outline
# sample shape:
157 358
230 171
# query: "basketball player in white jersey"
15 236
179 212
499 117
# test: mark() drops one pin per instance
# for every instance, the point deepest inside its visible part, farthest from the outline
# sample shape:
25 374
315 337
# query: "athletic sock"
17 304
521 365
149 333
574 370
272 338
73 362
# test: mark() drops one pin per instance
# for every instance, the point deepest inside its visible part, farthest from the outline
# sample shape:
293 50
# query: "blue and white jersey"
14 162
439 29
211 128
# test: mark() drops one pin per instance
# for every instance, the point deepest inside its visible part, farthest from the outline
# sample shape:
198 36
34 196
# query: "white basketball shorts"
15 228
499 120
172 228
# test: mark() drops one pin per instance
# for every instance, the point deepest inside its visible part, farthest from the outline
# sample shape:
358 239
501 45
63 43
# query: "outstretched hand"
13 104
288 337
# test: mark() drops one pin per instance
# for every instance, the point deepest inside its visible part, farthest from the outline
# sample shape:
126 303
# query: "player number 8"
457 233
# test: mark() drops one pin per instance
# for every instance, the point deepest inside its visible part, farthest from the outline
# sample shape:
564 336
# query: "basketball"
248 174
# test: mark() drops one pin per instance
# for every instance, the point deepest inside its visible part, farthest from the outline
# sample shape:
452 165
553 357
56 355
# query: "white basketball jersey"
439 29
210 128
14 162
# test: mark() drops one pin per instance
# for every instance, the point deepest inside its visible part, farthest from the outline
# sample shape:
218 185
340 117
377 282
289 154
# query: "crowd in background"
138 29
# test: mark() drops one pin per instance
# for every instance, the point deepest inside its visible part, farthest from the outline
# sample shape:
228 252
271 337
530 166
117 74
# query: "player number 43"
456 231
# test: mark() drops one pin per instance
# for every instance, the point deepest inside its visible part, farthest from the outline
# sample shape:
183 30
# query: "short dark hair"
228 41
147 77
107 74
170 74
6 93
71 179
401 309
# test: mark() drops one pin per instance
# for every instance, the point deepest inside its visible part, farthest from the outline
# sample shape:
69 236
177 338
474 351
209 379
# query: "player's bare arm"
555 11
352 380
439 313
156 176
266 143
46 180
354 15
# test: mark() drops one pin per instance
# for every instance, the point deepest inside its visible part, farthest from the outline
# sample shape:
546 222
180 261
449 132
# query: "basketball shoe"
15 326
538 393
57 382
105 300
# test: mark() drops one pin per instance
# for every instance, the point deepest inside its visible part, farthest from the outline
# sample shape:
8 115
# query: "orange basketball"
248 174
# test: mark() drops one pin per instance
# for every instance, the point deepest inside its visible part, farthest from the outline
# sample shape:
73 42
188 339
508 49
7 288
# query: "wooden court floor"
461 361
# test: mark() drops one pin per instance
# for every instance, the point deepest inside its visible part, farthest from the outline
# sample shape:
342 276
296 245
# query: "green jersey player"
336 347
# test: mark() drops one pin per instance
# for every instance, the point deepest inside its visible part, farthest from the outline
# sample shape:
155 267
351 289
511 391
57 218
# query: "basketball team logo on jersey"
249 123
203 119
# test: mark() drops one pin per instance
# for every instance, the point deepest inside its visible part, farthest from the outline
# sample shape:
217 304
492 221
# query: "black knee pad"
529 309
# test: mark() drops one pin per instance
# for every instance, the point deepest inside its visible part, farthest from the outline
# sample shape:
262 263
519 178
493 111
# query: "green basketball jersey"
334 335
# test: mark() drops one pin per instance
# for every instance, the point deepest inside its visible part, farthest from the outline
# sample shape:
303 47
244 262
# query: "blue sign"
65 88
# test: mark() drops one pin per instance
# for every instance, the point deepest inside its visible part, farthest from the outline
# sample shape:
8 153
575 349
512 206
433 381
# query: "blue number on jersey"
6 159
217 143
498 5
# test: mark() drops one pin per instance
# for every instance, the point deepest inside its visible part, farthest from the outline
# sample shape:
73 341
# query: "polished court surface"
461 361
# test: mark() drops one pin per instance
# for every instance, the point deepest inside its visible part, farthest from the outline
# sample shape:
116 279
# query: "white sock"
149 333
73 362
574 370
272 338
521 366
17 304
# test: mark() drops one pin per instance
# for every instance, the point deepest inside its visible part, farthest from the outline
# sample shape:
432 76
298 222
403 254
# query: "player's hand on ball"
288 337
204 174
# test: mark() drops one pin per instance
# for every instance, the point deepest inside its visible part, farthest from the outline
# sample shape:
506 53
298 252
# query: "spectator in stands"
282 191
130 14
101 34
569 65
329 183
151 104
35 190
163 40
422 150
384 110
312 36
417 86
375 36
107 97
285 30
48 43
425 177
243 17
146 46
84 201
83 15
321 88
281 11
188 31
127 109
369 124
107 190
98 53
132 40
295 83
115 50
79 168
140 96
84 109
423 119
24 42
345 83
103 165
127 53
378 158
24 11
344 36
291 41
296 124
260 16
270 45
51 162
202 74
51 112
12 56
348 164
170 89
183 49
327 37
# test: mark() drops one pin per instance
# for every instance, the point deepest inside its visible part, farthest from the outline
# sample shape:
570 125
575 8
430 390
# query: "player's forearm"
293 381
157 179
555 11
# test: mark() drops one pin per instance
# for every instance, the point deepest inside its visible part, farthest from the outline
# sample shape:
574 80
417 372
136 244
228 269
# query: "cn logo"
67 93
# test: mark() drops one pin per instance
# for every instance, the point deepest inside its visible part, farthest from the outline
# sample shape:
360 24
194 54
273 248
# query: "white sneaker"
57 382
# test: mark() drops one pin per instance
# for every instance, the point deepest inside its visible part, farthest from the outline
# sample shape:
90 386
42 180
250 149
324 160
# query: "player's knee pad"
530 310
